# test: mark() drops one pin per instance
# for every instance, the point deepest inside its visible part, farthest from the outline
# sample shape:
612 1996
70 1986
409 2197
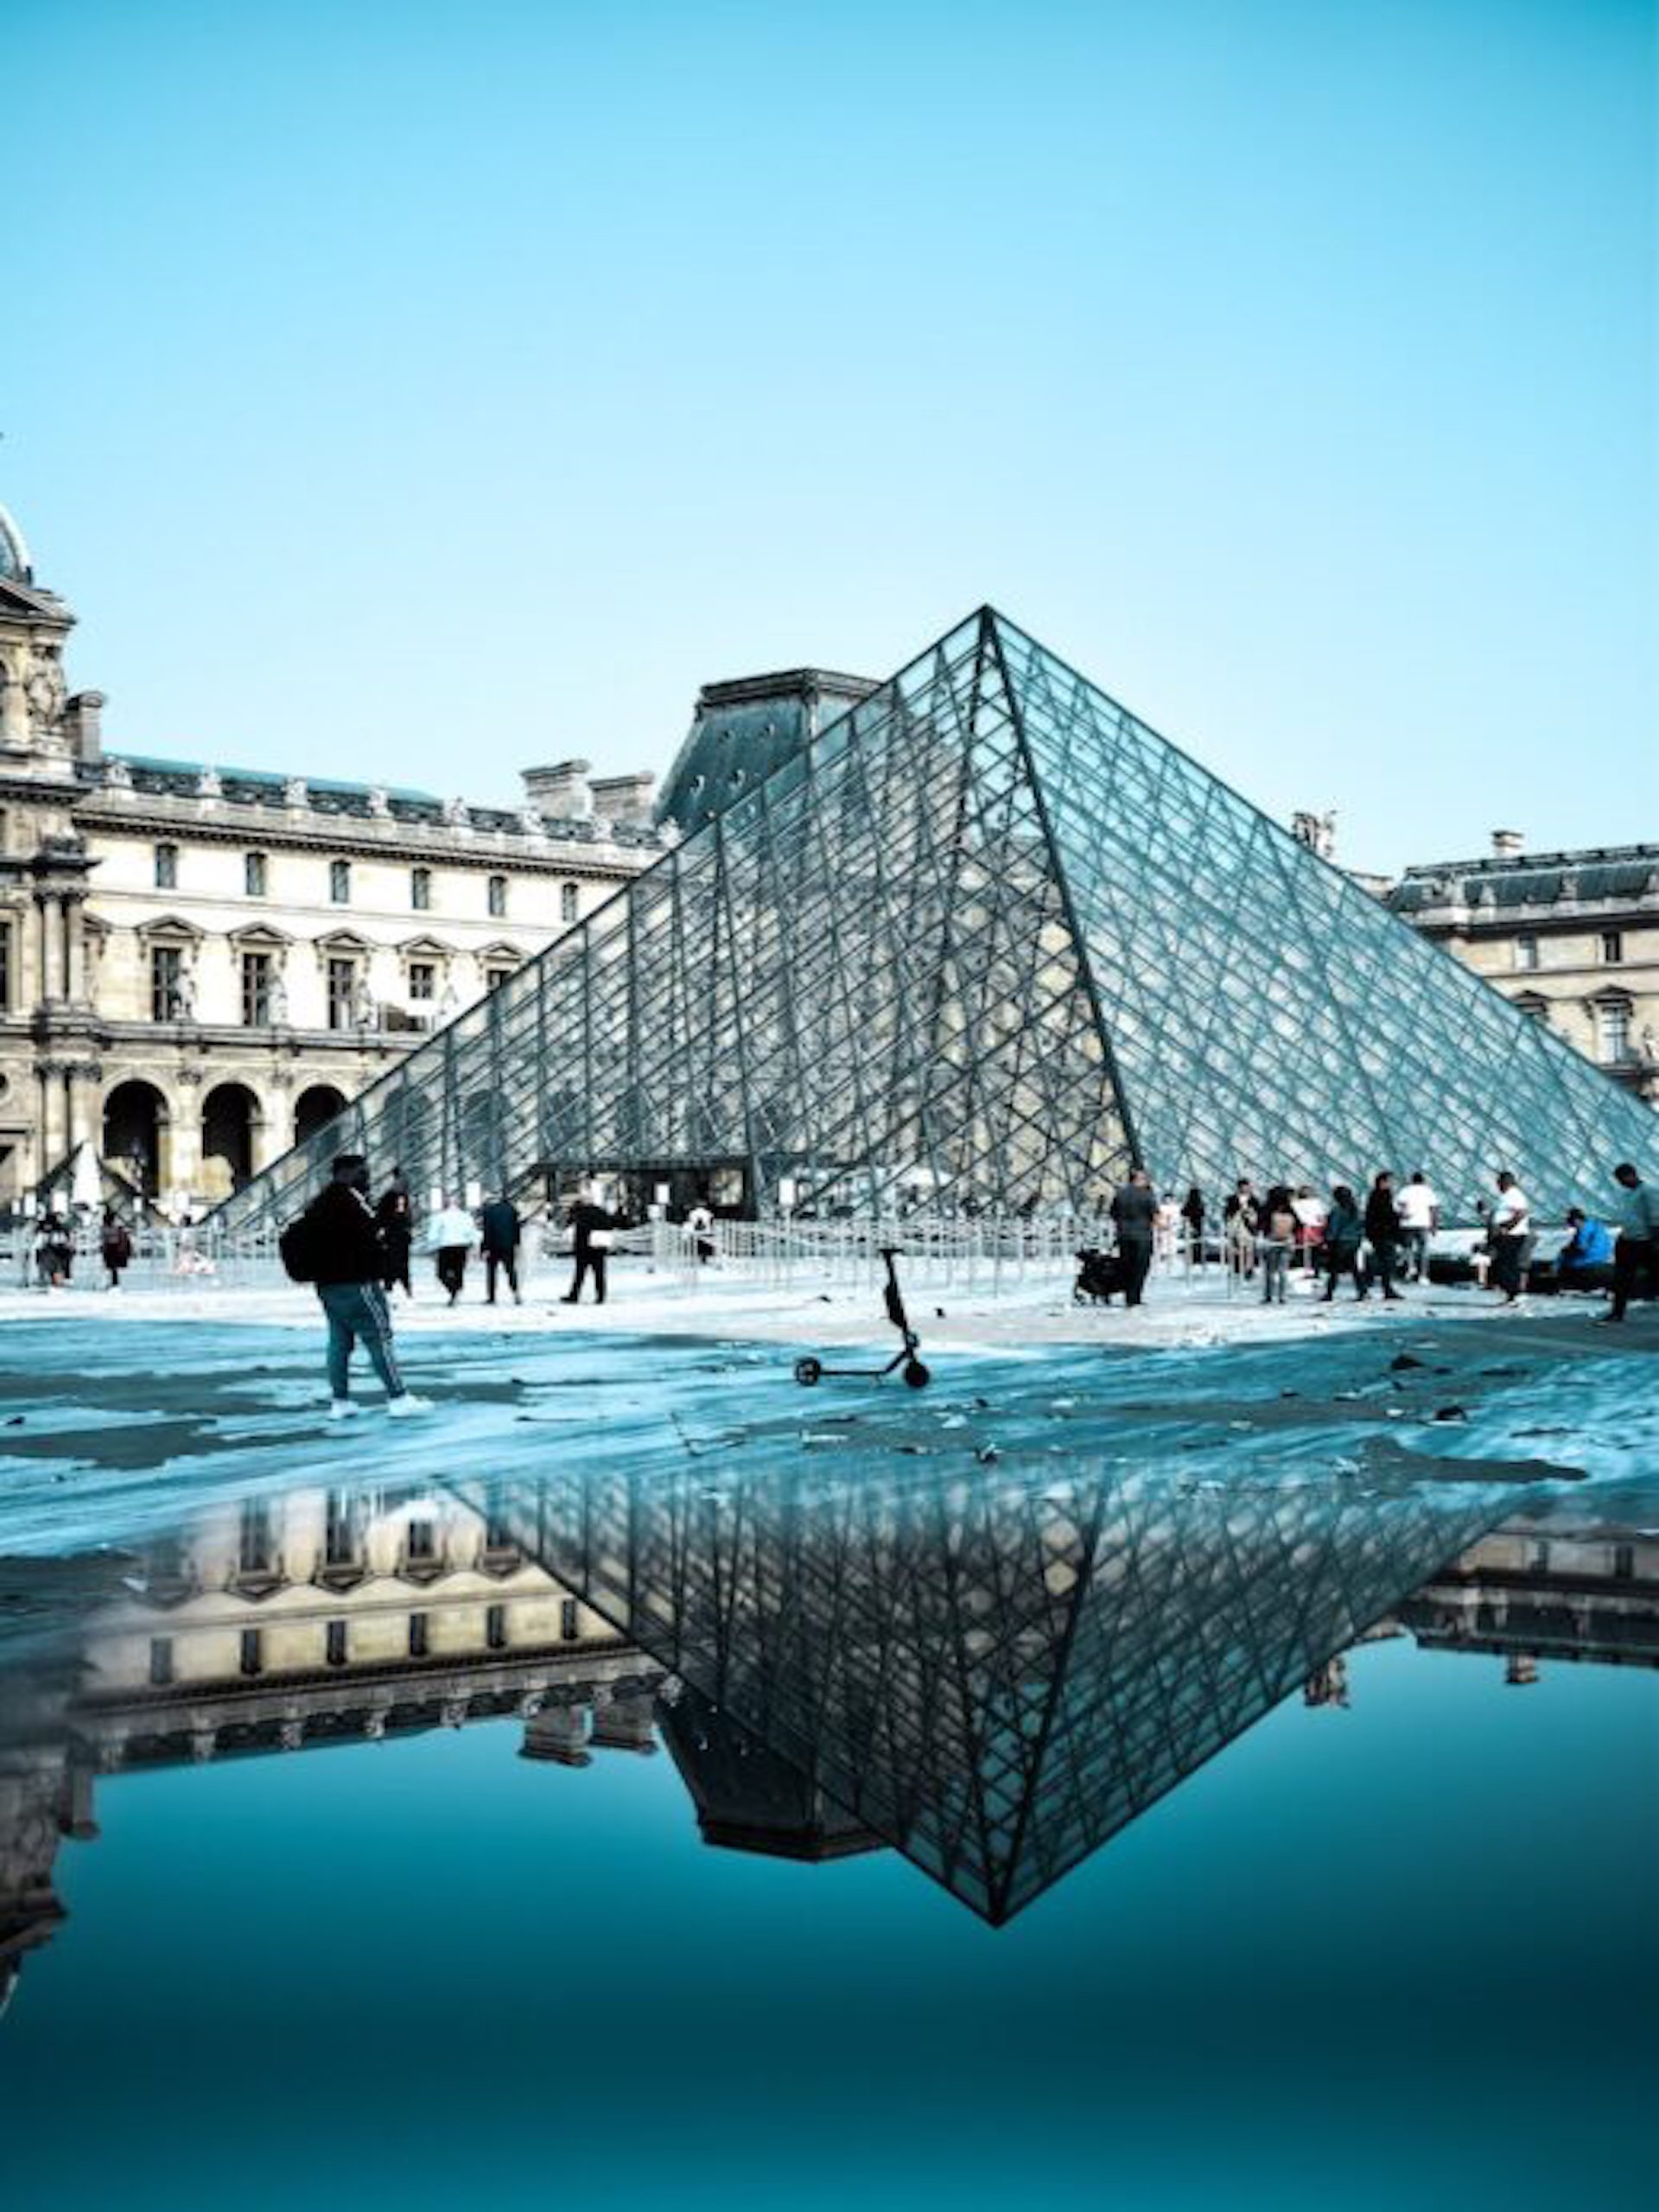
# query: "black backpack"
297 1245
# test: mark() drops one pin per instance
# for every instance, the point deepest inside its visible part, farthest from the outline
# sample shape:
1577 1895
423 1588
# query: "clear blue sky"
421 392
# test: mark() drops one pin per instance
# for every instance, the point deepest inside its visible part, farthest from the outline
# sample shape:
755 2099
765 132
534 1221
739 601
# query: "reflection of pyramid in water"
994 1680
988 939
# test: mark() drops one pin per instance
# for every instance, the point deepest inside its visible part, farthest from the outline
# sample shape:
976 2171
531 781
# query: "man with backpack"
336 1246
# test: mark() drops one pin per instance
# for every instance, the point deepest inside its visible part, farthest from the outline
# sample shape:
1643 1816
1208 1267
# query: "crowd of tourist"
1381 1241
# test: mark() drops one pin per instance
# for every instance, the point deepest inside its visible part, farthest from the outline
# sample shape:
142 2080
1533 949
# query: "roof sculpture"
984 941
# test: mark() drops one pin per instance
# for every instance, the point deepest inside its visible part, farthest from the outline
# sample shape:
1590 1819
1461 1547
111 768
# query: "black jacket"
1382 1218
342 1243
394 1216
585 1218
1133 1209
499 1226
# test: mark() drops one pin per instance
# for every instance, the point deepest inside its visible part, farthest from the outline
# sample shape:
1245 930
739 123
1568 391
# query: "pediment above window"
170 929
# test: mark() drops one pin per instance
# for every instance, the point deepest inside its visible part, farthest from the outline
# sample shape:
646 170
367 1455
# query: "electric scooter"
810 1371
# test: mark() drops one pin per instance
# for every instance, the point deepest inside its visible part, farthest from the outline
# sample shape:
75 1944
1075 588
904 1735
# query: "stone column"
626 1724
558 1734
74 965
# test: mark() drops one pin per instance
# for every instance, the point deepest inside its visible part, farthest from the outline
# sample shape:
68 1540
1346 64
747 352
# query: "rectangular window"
422 983
166 983
420 889
253 1548
167 867
1625 1562
253 1652
1526 951
495 976
568 902
497 896
495 1627
256 990
342 993
254 874
570 1627
1613 947
422 1540
337 1646
339 882
419 1636
342 1529
5 969
1613 1033
161 1660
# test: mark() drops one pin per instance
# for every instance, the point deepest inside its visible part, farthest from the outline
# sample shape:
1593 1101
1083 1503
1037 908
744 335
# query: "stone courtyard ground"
105 1400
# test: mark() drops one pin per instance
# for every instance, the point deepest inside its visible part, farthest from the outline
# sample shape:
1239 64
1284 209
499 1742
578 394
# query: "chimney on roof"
561 792
83 725
1507 844
625 798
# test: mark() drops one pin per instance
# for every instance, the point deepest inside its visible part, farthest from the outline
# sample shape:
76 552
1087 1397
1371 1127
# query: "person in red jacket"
345 1258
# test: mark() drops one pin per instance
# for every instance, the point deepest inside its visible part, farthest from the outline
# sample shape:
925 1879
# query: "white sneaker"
408 1406
342 1409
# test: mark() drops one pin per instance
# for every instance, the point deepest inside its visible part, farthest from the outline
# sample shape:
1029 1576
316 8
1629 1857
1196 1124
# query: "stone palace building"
1571 938
200 963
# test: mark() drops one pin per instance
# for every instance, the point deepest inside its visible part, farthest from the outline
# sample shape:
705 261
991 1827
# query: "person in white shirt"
1511 1229
1420 1217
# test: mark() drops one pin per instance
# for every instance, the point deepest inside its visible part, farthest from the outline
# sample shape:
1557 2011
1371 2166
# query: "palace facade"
200 963
1571 938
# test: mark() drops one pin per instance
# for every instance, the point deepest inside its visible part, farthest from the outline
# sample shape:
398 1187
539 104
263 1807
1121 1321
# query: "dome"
14 552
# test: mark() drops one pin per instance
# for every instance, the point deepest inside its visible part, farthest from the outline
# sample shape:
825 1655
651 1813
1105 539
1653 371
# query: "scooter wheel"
916 1375
807 1371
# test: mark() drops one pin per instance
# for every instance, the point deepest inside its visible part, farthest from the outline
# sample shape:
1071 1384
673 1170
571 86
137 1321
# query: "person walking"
1165 1232
701 1223
1343 1231
1636 1212
395 1217
450 1234
499 1234
335 1245
114 1246
1511 1237
1192 1217
1278 1241
54 1252
1419 1207
1134 1211
593 1230
1383 1235
1241 1216
1310 1211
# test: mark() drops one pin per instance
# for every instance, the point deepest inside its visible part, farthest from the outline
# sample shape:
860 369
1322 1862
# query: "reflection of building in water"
277 1625
992 1678
748 1798
1548 1589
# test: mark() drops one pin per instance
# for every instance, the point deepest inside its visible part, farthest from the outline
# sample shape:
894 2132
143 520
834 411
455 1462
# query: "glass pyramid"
983 943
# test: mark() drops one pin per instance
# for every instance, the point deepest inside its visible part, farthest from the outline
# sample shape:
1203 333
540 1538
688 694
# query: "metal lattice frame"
994 1681
983 943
